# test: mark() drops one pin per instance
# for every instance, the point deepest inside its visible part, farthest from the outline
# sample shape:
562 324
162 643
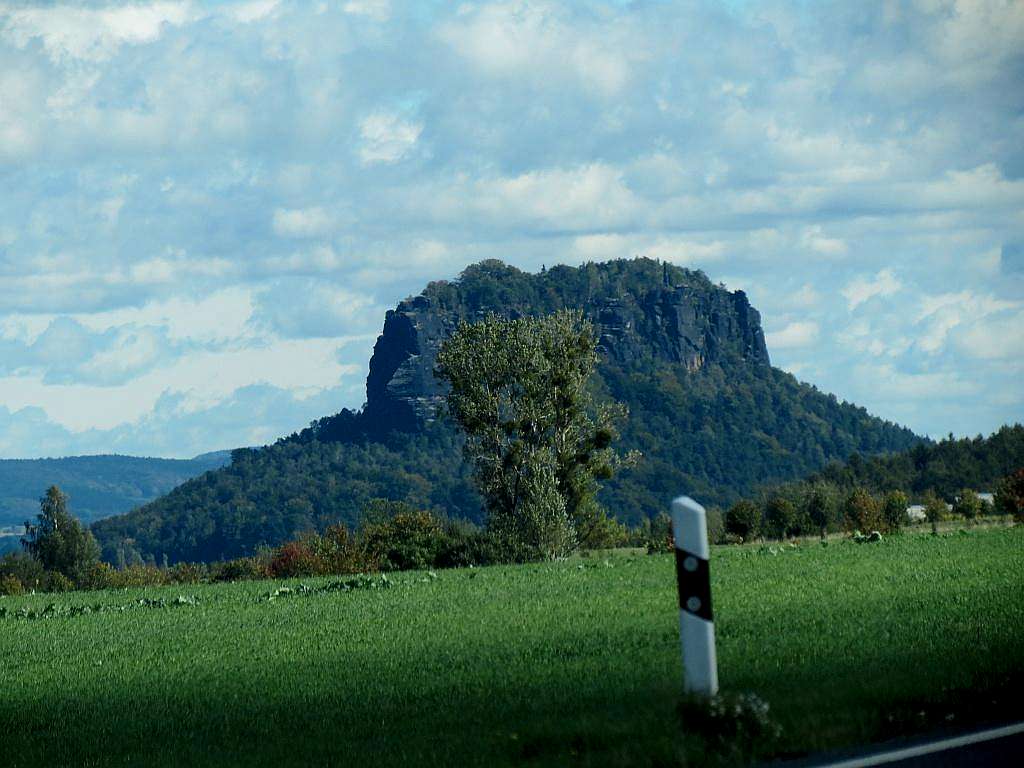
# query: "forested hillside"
98 486
946 467
710 415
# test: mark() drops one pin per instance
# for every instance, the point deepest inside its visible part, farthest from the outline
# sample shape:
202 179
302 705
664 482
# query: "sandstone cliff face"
687 325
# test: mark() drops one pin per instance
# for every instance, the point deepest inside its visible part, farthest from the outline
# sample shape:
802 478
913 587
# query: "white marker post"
696 626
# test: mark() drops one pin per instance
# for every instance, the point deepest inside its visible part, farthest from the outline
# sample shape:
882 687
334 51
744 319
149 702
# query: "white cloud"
814 239
542 42
807 296
593 196
998 338
863 289
302 222
941 313
796 335
257 10
889 382
377 10
386 137
202 378
166 166
220 316
92 34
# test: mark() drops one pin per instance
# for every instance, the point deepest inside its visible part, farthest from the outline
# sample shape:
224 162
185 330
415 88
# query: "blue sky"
205 209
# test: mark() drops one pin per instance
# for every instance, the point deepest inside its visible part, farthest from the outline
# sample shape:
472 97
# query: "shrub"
187 573
26 569
737 726
58 582
11 585
99 576
660 535
296 558
744 520
716 525
862 512
409 540
138 576
934 510
894 511
604 533
820 507
1010 495
779 517
466 544
239 569
967 505
339 553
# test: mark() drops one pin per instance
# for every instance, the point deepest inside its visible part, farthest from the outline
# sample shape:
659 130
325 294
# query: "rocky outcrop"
692 325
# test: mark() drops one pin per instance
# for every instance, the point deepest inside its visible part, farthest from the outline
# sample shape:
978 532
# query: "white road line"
927 749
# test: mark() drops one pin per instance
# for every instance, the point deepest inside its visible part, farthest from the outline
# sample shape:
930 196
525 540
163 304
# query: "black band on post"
694 580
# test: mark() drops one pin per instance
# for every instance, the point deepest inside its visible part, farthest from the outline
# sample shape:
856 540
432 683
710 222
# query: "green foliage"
862 512
744 520
408 540
894 511
716 525
274 494
1010 495
57 540
935 510
537 441
240 569
10 585
780 517
967 504
544 664
58 582
27 570
821 506
943 468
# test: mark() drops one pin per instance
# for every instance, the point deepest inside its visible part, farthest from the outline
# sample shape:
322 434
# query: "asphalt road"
992 748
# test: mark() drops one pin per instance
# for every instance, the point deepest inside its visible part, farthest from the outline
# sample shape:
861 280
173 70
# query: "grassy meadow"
573 662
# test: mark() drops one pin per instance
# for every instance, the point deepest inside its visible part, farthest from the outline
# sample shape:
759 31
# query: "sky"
206 209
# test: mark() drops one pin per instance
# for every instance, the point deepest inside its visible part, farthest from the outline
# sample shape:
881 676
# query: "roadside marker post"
696 625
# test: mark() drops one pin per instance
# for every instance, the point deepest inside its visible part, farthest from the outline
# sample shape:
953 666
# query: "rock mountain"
710 414
670 315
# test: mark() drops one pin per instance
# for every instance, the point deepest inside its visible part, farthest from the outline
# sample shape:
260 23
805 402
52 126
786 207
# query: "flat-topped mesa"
640 309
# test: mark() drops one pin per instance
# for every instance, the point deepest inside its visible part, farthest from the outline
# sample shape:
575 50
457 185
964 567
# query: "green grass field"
567 663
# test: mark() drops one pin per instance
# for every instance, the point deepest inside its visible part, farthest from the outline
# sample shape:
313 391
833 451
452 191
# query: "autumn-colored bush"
10 585
99 575
340 553
187 573
296 558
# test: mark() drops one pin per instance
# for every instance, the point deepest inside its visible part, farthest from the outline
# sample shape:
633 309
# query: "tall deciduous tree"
538 442
58 540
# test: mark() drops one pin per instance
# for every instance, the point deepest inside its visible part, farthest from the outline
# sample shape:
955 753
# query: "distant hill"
709 413
99 486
